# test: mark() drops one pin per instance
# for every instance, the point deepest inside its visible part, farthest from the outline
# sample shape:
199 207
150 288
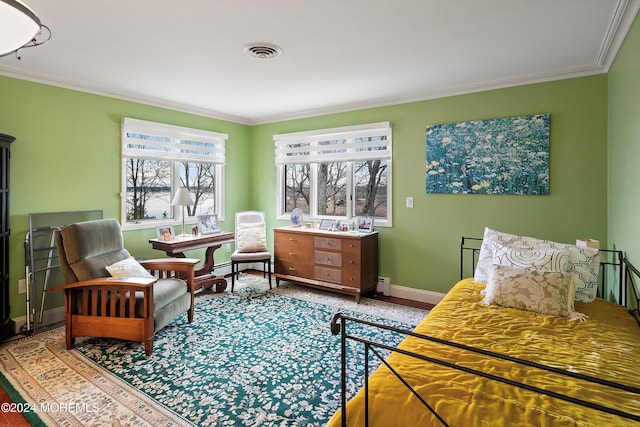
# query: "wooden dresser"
345 262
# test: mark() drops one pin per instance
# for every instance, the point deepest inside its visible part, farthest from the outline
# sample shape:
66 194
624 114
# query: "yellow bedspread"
606 346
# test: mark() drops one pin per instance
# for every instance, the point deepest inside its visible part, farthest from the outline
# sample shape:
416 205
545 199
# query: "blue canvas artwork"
498 156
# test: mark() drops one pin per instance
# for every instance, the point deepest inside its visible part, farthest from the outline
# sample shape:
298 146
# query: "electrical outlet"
228 247
22 286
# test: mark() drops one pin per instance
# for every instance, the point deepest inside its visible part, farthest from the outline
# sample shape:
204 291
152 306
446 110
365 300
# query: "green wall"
624 147
67 157
421 249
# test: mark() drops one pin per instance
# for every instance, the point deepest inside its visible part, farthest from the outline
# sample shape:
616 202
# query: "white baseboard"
223 269
404 292
413 294
49 317
57 314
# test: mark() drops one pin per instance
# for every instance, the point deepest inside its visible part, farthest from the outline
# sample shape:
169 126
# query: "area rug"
252 358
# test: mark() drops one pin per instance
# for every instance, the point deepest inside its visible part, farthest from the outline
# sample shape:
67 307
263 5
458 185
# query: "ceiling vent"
263 50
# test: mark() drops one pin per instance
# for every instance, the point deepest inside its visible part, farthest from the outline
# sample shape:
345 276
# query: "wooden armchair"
130 308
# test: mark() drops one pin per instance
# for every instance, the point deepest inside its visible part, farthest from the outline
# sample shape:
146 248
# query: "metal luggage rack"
41 259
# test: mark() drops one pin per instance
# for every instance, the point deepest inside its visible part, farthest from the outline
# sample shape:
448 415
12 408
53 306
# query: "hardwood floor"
7 418
15 419
394 300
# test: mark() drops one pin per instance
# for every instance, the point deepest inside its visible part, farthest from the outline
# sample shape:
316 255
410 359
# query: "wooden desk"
176 247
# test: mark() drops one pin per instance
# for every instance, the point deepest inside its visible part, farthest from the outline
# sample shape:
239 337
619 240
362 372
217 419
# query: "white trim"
49 317
413 294
616 32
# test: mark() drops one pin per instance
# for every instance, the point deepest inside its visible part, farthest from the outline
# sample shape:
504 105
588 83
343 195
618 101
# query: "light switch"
410 202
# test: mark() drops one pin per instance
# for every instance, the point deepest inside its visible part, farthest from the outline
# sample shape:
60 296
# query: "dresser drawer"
293 247
293 240
351 262
351 278
294 254
328 243
333 259
293 268
352 248
327 274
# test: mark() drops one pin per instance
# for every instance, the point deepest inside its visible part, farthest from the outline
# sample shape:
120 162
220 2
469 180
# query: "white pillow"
584 261
251 237
128 267
544 292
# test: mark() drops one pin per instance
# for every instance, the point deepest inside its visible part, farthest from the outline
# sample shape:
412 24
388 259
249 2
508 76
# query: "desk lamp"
182 198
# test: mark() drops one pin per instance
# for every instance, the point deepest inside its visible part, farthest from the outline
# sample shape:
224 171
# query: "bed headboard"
611 262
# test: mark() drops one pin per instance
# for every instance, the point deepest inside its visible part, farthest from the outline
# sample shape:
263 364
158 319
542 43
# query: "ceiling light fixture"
20 28
263 50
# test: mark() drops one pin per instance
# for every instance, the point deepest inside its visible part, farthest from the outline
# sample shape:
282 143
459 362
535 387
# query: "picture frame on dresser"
326 224
364 224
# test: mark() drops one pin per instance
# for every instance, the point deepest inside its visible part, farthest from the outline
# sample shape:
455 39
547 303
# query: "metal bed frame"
628 276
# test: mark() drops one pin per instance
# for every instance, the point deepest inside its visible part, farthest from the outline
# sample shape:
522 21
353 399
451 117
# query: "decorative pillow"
584 261
251 237
544 292
556 260
128 267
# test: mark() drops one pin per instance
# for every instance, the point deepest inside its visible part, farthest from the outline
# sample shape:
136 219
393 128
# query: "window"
157 159
339 173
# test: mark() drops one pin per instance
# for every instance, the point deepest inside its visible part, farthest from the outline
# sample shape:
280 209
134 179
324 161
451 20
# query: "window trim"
316 153
177 152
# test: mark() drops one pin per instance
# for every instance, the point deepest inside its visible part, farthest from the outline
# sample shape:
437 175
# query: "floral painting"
498 156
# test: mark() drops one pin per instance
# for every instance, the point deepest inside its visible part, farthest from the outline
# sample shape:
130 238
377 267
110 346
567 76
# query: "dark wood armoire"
7 326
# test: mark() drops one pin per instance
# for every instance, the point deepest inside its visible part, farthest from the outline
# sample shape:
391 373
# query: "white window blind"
158 141
351 143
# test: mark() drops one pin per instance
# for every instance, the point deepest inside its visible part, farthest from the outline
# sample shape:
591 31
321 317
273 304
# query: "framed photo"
165 232
296 217
326 224
208 224
364 224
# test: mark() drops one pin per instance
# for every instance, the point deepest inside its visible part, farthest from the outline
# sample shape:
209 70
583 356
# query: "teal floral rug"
251 358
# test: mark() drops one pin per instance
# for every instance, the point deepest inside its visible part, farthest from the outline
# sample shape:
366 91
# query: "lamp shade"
182 198
19 25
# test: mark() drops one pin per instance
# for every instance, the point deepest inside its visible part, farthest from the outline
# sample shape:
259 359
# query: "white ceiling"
338 55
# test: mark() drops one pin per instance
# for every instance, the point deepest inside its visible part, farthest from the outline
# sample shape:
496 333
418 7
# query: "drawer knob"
292 269
292 253
291 239
351 261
